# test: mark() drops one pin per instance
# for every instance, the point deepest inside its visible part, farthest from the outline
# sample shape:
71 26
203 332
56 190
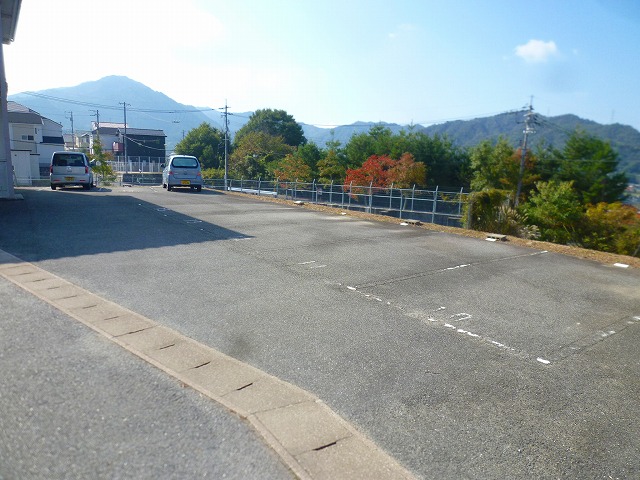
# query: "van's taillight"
170 172
86 169
199 174
50 168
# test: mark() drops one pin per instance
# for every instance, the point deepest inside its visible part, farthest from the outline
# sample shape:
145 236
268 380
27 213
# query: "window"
185 162
27 137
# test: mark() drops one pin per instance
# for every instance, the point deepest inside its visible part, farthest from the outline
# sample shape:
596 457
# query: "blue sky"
335 62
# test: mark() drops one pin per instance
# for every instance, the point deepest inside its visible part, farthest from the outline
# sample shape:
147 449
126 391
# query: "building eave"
9 13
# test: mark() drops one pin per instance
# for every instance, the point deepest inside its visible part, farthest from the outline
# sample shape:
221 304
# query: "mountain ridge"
148 108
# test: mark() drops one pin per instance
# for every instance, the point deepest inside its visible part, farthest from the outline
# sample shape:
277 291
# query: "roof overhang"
9 11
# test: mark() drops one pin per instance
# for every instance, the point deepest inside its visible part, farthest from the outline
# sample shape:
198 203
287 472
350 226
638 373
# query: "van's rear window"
185 162
68 160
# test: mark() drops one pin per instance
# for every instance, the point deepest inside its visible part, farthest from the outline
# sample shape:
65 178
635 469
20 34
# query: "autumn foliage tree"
374 172
292 168
382 171
407 172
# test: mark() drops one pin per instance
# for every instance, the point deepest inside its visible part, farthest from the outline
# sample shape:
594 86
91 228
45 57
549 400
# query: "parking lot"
461 358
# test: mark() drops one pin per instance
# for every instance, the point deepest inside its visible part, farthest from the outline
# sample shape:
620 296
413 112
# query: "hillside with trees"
569 195
148 108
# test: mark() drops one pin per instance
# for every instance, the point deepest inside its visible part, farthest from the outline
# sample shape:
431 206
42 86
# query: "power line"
200 110
113 107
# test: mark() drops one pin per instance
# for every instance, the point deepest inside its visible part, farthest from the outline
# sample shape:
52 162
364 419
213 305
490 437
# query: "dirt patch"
593 255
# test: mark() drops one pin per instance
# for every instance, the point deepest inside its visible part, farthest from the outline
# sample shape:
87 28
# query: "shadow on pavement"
73 223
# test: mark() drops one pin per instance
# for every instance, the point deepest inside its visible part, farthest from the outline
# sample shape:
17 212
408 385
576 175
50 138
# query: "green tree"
310 154
361 146
494 166
333 167
255 154
447 164
612 227
276 123
99 162
556 209
591 164
206 143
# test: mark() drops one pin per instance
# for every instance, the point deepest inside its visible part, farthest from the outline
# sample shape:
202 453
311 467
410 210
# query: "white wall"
26 167
24 136
50 128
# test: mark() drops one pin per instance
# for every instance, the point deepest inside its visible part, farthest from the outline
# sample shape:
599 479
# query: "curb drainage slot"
325 446
167 346
131 333
245 386
205 363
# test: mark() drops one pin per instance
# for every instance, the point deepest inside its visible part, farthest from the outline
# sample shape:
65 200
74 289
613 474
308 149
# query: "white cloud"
537 51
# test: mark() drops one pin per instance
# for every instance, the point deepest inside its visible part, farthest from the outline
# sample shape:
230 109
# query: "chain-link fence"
430 206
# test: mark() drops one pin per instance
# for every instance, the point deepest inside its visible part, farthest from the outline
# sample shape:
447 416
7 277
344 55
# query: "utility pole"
124 141
97 115
226 146
528 129
73 135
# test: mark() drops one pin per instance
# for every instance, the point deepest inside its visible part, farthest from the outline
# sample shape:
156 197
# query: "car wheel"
53 187
168 187
87 186
199 189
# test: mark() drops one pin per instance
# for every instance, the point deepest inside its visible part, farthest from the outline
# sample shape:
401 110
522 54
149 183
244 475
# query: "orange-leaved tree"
292 168
382 171
407 172
374 171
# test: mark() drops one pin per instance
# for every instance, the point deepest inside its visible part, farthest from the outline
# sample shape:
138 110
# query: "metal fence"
430 206
138 164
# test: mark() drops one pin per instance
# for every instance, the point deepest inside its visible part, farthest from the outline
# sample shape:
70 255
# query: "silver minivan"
70 168
182 171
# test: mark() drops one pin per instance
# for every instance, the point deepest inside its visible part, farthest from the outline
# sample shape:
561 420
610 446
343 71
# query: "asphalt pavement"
75 405
458 357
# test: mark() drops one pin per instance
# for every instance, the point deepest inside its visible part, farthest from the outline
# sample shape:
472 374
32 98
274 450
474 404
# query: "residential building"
33 138
141 144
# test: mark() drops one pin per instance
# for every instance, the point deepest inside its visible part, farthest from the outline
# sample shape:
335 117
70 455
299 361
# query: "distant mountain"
147 108
343 133
548 130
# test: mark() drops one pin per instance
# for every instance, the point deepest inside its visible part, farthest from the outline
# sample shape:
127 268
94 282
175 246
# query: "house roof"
20 114
144 132
107 128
